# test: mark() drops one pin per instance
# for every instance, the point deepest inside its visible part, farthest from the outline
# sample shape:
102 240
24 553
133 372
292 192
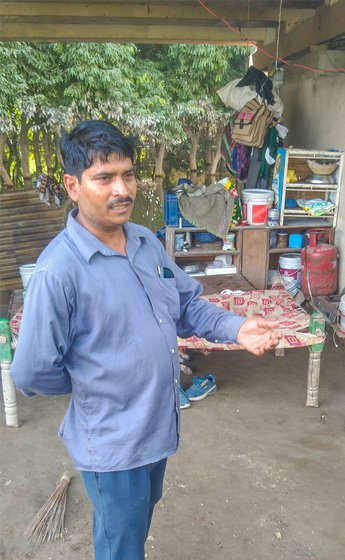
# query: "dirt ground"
258 475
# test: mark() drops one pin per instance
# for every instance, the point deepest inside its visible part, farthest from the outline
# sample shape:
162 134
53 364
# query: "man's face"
105 193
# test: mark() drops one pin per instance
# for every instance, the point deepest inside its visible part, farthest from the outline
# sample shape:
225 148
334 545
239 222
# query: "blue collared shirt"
103 326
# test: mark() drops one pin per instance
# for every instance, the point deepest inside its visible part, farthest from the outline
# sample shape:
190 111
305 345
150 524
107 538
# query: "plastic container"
229 243
26 271
295 240
172 214
179 240
290 271
273 239
273 217
223 260
342 314
282 239
256 204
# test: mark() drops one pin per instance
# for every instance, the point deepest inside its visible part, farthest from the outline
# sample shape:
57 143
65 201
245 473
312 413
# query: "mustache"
120 200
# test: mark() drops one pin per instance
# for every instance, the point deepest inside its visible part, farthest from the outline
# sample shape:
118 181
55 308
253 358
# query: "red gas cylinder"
319 269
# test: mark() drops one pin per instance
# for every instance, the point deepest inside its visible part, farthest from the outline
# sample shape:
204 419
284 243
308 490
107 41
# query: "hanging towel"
208 207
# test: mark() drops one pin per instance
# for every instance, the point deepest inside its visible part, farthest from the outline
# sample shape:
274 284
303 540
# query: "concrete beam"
64 32
327 23
186 10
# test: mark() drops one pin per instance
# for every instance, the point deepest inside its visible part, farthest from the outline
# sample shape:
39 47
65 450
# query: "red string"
282 60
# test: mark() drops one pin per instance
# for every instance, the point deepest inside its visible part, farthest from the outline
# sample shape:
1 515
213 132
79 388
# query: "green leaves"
161 93
199 70
55 82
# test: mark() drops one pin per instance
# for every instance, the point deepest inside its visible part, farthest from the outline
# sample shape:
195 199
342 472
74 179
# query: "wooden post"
9 390
170 242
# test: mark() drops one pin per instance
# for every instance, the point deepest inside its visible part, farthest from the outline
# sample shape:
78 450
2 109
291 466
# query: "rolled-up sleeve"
44 339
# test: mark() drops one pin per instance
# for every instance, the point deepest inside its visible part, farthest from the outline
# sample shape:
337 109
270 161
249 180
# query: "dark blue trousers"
123 503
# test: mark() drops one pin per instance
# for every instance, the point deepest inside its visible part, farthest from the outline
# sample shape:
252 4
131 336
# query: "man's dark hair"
93 140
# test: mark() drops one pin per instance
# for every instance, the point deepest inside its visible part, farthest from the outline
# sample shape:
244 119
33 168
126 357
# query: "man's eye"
130 175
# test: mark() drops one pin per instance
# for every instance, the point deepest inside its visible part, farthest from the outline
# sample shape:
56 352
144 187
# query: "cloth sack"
251 124
235 97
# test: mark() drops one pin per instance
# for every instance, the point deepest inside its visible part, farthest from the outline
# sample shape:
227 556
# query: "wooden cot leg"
313 378
317 327
8 387
279 352
9 390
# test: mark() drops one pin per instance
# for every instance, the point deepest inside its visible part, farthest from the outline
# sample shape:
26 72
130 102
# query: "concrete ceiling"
303 22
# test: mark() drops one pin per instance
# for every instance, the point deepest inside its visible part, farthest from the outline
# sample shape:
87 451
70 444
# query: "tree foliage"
165 94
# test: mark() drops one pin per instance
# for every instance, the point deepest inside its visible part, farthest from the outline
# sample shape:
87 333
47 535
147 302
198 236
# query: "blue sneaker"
201 387
184 400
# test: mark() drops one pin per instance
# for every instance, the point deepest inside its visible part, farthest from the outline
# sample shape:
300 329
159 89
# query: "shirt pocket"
171 297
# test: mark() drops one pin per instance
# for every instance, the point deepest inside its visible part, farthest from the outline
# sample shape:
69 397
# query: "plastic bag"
315 206
237 214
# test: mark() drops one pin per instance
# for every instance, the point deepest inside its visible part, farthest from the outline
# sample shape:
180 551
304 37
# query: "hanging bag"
251 124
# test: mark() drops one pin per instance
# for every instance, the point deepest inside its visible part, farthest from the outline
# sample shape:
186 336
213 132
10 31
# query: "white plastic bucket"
342 314
290 271
26 271
256 204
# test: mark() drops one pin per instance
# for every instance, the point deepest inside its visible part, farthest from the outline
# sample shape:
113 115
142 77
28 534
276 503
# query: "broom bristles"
48 523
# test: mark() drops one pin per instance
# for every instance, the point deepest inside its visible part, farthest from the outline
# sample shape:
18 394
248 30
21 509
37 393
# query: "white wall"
315 116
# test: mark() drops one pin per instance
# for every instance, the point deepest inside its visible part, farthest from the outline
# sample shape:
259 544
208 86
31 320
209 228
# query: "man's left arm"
198 316
205 320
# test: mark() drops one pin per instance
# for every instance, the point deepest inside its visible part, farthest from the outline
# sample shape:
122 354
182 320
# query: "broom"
48 523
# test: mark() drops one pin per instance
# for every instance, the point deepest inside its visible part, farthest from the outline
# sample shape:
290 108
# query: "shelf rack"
293 158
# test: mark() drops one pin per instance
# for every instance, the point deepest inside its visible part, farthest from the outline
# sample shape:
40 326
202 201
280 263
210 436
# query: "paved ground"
258 475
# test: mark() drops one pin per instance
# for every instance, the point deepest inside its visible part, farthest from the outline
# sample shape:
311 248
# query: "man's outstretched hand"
257 335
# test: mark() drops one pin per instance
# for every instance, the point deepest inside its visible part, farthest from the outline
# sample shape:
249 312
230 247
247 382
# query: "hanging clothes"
254 181
235 156
243 161
269 152
226 148
262 83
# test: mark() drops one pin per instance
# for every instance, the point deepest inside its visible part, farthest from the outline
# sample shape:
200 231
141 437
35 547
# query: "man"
101 315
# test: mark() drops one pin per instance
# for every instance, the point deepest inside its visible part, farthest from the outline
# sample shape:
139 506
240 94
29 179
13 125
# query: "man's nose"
119 187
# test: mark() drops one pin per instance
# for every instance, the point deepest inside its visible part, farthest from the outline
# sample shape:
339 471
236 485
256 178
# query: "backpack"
251 124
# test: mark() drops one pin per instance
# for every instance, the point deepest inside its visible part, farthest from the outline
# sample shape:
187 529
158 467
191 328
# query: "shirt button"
175 380
173 351
161 320
216 340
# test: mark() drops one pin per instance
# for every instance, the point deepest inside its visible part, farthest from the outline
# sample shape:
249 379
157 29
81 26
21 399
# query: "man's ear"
72 186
